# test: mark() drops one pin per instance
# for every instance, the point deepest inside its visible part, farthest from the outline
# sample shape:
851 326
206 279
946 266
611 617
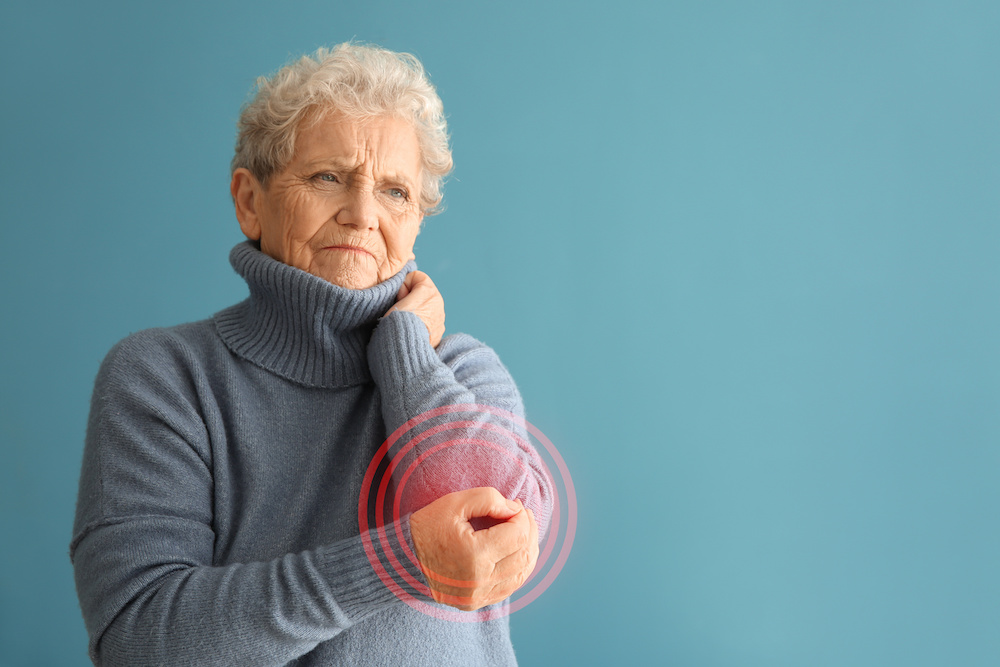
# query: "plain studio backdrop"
741 257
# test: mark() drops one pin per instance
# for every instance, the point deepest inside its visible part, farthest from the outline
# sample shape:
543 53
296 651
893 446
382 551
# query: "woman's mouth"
351 249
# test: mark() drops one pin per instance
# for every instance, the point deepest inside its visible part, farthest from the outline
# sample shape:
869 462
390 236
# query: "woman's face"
346 208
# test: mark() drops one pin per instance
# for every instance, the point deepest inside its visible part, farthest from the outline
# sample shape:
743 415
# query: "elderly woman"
218 514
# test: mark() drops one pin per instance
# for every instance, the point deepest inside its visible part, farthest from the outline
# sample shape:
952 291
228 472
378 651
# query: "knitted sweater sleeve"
143 540
414 378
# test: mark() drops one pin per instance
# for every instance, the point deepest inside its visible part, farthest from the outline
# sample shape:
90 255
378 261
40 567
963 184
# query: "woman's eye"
326 178
397 193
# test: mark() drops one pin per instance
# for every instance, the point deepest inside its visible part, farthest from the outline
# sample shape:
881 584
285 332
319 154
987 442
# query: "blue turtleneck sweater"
217 519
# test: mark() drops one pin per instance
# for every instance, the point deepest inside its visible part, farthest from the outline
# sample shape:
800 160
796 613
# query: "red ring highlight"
488 613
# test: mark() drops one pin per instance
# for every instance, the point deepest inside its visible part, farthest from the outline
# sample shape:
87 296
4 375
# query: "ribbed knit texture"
301 327
217 515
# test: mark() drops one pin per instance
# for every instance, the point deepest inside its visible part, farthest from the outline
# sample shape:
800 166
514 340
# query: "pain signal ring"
451 448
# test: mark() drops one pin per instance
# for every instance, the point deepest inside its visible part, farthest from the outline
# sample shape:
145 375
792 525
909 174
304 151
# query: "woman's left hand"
418 294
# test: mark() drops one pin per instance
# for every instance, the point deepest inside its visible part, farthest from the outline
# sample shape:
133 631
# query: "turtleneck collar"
300 326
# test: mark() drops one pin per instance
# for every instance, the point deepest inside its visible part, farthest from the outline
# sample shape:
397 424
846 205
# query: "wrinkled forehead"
386 144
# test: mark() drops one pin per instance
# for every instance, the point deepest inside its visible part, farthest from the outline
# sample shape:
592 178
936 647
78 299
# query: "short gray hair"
355 80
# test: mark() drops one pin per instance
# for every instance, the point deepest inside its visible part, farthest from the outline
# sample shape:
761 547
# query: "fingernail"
515 505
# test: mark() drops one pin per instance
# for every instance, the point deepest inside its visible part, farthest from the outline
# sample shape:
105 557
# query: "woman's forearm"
415 378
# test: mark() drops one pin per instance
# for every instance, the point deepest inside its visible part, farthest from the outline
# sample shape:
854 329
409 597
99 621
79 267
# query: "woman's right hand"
467 568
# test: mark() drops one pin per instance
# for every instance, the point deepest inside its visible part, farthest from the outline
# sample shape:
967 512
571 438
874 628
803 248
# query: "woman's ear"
246 191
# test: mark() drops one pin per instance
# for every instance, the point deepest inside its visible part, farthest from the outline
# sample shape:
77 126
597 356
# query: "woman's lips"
349 248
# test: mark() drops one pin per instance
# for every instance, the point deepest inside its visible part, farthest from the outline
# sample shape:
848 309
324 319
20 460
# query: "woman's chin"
351 279
350 274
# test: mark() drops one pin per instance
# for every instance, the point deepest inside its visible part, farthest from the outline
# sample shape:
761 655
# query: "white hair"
357 81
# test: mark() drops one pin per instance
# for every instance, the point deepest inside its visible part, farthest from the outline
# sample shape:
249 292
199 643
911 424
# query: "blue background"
742 258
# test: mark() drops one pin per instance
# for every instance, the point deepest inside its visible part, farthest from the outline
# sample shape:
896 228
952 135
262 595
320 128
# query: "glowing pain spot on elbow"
462 445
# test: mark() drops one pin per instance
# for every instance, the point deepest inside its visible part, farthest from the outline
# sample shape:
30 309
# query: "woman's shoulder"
458 344
155 340
161 351
460 350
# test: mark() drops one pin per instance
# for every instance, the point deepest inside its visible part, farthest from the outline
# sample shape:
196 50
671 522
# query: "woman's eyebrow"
339 164
398 179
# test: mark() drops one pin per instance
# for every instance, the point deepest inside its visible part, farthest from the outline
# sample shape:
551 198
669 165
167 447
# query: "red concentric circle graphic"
494 435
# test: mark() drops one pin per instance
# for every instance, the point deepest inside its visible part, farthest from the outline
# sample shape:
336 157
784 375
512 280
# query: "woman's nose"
360 211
